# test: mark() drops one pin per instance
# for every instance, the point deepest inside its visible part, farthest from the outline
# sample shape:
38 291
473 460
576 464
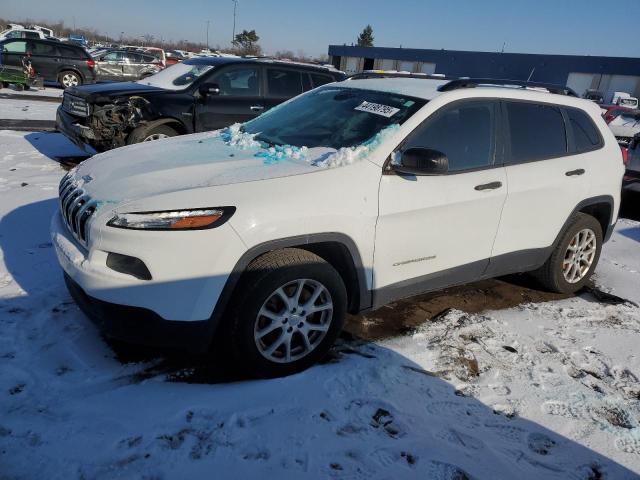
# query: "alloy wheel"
293 321
70 80
155 136
579 256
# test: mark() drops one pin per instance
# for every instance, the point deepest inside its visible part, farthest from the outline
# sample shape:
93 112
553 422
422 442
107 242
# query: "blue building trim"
515 66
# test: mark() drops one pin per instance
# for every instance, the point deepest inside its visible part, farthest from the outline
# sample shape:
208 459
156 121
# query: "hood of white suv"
186 162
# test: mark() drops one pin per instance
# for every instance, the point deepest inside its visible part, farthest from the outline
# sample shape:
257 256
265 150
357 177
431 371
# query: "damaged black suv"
200 94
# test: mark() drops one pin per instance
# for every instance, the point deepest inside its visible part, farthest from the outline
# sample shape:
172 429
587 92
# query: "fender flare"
290 242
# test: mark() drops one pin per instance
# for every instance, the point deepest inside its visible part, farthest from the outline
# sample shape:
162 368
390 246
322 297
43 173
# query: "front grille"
76 208
75 105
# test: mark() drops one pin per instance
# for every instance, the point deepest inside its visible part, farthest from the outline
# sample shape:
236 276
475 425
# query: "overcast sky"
584 27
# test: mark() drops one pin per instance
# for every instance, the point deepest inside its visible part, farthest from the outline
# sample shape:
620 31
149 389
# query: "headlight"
197 219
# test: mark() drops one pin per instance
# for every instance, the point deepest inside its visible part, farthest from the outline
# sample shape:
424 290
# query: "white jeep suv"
343 199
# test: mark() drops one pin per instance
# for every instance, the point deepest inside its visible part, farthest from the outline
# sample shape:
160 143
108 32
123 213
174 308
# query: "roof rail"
476 82
393 74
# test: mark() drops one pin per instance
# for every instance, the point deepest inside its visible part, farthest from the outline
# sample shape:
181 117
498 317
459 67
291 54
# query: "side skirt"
515 262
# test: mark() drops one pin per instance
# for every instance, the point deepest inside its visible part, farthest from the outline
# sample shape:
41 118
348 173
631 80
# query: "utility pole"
235 6
208 22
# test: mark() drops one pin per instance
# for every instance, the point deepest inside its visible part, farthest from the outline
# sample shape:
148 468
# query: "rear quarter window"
586 136
70 52
320 79
536 132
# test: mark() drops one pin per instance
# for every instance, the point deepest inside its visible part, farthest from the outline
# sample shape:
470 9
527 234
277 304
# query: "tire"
552 276
69 78
148 133
287 269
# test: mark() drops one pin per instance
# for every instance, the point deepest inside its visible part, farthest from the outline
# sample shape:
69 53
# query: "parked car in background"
78 39
594 96
47 31
632 174
21 33
625 125
159 53
347 198
199 94
624 99
121 65
174 56
68 65
609 112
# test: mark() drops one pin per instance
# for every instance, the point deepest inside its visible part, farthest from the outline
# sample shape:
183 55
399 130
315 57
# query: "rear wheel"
150 133
289 309
69 78
575 256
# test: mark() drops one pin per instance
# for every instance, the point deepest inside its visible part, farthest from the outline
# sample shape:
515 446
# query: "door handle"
489 186
572 173
256 108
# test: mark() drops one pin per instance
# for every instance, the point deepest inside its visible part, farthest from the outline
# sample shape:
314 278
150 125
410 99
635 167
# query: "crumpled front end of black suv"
101 123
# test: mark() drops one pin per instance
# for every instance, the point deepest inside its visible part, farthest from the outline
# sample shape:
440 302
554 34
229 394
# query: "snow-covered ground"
55 92
16 109
541 391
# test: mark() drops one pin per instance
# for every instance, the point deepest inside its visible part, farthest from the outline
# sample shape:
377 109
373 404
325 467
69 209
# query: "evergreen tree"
365 39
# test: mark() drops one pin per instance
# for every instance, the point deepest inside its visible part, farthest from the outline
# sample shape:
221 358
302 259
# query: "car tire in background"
69 78
574 257
288 309
147 133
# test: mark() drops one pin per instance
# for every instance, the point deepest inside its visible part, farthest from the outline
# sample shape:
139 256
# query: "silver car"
122 65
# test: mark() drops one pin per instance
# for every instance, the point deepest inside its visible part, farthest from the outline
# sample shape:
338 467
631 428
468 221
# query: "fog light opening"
128 265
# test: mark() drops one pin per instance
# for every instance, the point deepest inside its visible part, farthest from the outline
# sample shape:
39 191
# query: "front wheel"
148 134
575 256
69 79
289 309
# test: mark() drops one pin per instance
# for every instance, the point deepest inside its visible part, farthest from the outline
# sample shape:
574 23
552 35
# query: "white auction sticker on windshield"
377 108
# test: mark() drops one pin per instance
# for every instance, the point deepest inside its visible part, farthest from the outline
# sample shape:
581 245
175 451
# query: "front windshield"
332 116
176 77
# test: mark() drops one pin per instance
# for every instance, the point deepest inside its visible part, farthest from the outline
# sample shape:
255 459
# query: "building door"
428 68
351 65
581 82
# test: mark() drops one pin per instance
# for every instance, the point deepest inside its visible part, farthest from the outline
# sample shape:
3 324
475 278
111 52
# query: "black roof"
217 61
45 41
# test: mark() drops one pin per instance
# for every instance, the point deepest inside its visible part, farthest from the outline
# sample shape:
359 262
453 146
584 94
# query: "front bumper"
71 128
139 325
188 269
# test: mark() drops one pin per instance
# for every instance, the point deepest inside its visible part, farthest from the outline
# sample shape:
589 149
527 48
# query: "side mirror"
422 161
209 89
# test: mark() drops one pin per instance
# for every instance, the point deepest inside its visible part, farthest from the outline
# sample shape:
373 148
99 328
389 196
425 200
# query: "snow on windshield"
176 77
323 157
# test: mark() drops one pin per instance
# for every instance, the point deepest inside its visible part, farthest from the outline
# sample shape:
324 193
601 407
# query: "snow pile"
348 155
278 153
235 137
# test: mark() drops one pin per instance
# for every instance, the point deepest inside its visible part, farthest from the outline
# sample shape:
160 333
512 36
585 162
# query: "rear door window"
464 132
39 48
536 132
586 136
284 82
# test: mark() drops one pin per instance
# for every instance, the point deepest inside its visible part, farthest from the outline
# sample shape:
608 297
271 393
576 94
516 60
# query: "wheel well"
169 122
339 257
600 211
